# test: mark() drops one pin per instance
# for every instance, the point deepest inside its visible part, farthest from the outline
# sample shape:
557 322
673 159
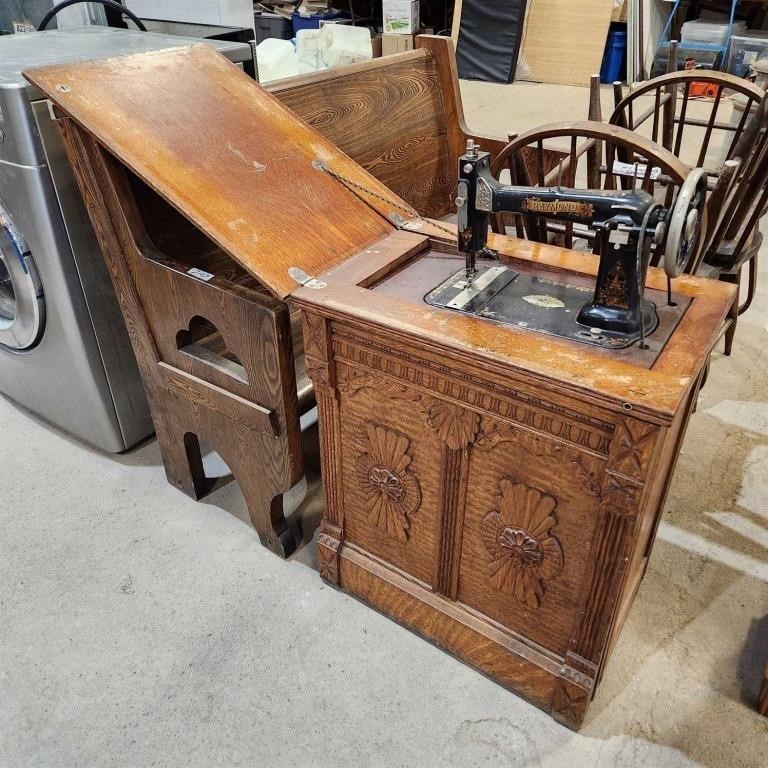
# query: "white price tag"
200 274
628 169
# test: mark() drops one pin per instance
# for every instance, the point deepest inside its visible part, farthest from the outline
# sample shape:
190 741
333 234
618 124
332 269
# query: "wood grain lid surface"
228 156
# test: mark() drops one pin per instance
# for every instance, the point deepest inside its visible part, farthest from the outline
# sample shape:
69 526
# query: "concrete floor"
139 628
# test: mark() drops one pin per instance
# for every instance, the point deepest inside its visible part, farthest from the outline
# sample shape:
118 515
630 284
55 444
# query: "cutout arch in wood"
204 341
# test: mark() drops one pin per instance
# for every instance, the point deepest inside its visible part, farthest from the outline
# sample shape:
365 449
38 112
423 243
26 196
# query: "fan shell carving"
457 427
391 490
518 537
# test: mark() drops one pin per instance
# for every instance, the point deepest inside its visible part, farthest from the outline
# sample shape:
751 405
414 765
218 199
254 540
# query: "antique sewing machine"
629 226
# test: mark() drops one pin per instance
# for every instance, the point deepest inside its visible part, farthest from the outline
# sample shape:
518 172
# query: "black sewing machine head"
629 225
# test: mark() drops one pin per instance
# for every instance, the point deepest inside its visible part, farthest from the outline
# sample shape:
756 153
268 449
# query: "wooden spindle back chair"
735 237
669 111
592 161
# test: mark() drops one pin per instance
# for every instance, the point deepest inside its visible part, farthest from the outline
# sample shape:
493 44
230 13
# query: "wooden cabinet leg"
182 459
762 703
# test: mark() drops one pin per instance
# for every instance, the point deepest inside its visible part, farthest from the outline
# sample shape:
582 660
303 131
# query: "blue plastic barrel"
615 57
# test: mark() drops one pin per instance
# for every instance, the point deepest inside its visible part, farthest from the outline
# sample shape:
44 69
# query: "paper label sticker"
20 27
200 274
629 169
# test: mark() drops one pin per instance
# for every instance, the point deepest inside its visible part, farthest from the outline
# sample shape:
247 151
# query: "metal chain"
355 187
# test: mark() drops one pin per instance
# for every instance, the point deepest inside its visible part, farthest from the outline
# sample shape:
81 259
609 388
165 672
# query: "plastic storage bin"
307 51
267 25
340 44
276 59
745 50
313 21
615 57
709 32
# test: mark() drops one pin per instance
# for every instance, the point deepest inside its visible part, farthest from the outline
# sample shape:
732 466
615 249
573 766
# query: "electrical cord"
108 3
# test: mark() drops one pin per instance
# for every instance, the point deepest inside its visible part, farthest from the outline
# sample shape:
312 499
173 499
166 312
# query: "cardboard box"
400 17
376 46
391 44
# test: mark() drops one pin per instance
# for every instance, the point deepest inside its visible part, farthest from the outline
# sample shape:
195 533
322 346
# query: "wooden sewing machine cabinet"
495 489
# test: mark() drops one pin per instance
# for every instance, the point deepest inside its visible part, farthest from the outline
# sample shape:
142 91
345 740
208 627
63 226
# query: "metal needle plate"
548 306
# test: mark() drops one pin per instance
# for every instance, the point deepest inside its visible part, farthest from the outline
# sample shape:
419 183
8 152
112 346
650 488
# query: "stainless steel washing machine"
64 349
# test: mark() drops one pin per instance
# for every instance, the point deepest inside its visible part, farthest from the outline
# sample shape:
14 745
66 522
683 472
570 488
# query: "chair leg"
751 285
265 507
733 312
183 464
702 382
182 458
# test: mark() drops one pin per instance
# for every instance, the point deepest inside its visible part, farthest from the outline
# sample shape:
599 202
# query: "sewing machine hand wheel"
683 226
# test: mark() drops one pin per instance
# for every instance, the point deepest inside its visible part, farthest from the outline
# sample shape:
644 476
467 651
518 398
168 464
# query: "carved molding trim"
351 347
454 469
620 503
391 490
315 335
588 474
527 410
318 371
456 426
632 448
538 445
518 536
620 496
574 687
328 420
588 469
328 558
569 703
352 381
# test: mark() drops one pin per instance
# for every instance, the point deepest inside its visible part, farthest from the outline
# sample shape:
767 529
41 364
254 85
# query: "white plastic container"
745 50
308 52
709 32
276 59
340 44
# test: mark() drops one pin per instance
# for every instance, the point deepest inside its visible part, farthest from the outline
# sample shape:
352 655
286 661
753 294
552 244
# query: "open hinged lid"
230 157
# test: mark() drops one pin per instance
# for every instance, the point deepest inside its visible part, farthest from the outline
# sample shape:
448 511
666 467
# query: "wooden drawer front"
527 531
390 478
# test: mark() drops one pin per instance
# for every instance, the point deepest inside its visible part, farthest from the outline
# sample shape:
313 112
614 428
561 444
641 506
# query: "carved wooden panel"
527 531
525 553
390 488
584 427
391 481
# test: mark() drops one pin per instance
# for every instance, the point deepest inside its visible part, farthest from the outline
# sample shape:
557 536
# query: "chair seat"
726 262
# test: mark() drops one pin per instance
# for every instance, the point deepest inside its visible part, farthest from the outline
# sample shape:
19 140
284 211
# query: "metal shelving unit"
719 51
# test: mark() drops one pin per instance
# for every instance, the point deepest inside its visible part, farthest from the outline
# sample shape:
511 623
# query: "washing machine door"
22 305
